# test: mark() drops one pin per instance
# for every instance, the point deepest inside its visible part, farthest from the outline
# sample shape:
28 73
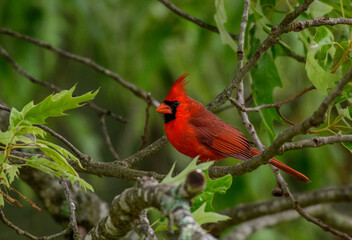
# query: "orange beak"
164 109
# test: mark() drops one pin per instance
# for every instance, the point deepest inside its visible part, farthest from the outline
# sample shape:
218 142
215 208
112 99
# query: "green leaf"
319 9
12 171
323 35
348 145
81 182
268 6
59 159
203 217
181 177
3 179
321 79
2 158
2 203
60 150
265 78
52 106
220 19
344 112
57 170
220 185
47 166
22 130
5 137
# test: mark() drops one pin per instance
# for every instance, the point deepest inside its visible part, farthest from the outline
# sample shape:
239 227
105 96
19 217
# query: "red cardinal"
193 131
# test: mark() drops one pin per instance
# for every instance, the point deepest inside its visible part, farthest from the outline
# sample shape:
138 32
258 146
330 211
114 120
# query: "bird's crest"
178 89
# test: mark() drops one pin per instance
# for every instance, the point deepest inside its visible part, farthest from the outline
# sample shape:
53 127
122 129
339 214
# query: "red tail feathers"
284 167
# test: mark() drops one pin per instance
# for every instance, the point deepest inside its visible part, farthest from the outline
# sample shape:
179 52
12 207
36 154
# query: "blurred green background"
148 45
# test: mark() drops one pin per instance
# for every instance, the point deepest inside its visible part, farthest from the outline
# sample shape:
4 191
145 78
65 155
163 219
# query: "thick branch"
271 40
246 229
246 212
170 200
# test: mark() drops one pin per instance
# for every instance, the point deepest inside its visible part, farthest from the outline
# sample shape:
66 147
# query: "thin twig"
77 152
107 137
190 18
145 132
315 120
315 142
272 105
133 88
283 117
71 206
271 40
307 216
298 26
27 234
54 88
247 212
25 198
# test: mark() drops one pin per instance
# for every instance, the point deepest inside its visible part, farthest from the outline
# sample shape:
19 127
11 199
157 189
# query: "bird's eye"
176 103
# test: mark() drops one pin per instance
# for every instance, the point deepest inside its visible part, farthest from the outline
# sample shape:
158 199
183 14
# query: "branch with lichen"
246 212
172 201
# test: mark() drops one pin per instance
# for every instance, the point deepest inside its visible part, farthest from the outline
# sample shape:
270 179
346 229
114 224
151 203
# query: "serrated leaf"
61 150
57 170
22 130
59 159
81 182
3 179
12 171
220 185
2 203
321 79
265 78
203 217
52 106
181 177
220 19
38 163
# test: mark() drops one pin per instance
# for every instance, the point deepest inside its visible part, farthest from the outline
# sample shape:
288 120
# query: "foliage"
152 53
202 209
25 133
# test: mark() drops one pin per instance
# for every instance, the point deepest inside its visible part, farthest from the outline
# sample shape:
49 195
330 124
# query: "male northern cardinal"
193 131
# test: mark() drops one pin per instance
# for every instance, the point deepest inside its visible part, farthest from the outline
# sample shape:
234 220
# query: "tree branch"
246 212
190 18
298 26
315 120
170 200
271 40
54 88
315 142
71 207
27 234
244 230
131 87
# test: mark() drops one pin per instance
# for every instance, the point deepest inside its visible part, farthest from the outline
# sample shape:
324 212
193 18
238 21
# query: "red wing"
220 136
